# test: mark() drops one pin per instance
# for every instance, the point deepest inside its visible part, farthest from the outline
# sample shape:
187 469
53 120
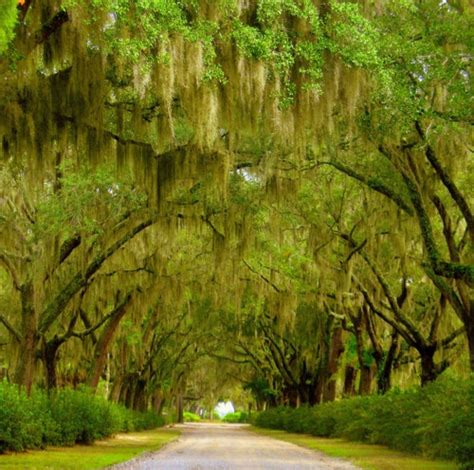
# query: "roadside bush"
436 421
82 417
191 417
24 423
237 417
66 417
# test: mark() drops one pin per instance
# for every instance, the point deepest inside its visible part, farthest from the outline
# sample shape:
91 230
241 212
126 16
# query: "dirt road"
228 447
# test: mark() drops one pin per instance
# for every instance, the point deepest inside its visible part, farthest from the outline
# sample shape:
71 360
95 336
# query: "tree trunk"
25 369
366 379
139 399
102 346
115 391
50 357
336 350
429 371
384 377
318 389
366 371
470 342
158 402
129 395
350 375
179 407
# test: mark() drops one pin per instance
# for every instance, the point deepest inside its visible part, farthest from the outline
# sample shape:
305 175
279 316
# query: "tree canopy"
280 189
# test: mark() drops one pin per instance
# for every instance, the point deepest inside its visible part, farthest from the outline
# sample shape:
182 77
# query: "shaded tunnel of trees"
265 198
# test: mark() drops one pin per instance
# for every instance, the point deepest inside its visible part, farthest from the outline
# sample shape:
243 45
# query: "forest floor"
365 456
104 453
218 446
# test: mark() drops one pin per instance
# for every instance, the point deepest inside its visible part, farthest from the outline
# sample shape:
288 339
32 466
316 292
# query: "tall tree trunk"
366 371
158 401
50 357
336 350
384 375
116 389
470 342
319 387
25 370
102 346
139 398
350 375
366 379
429 371
179 406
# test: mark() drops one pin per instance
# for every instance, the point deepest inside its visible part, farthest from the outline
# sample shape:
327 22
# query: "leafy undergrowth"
237 417
191 417
65 417
102 454
436 421
366 456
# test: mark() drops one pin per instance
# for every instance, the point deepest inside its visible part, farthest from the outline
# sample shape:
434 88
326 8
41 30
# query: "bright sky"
223 409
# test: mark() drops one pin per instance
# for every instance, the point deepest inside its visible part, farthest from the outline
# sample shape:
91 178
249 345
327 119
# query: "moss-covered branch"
55 308
443 268
373 183
449 183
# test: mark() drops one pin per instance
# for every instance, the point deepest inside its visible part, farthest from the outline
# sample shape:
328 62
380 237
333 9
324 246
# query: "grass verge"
366 456
110 451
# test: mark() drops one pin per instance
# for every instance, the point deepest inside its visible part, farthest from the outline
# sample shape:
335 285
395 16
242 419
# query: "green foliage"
86 202
66 418
191 417
25 423
260 389
8 17
436 421
236 417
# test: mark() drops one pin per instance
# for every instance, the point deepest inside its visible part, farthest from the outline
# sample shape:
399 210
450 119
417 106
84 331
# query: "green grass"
103 453
366 456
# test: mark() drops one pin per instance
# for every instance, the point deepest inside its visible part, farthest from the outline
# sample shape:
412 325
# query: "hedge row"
436 421
191 417
236 417
66 417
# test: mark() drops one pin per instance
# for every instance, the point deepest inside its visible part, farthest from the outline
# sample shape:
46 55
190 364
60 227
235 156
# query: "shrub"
437 420
65 418
237 417
191 417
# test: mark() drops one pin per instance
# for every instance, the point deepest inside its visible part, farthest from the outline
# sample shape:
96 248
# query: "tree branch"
275 287
446 269
54 309
372 183
448 182
12 330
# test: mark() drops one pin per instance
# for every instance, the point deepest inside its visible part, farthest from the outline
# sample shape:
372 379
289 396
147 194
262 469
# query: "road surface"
205 446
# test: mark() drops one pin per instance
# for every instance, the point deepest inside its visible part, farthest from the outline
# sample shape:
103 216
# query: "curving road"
205 446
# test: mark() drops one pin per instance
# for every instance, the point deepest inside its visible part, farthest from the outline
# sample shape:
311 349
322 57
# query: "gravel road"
204 446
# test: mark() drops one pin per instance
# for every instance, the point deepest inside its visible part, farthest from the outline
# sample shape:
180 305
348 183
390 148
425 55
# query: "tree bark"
50 357
350 375
366 379
102 346
116 389
179 407
429 371
384 376
470 341
25 369
336 350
